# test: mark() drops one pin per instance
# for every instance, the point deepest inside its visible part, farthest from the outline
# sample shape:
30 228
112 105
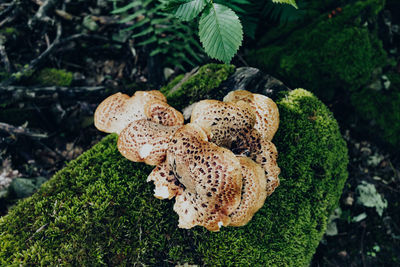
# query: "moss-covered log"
99 210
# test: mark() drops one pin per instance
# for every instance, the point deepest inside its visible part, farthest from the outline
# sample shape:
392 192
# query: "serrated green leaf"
220 32
188 10
290 2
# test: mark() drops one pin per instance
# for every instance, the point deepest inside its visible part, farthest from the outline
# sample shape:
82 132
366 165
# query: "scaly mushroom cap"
166 185
267 119
162 113
264 152
235 96
107 117
118 110
223 122
151 95
145 141
254 192
211 176
267 157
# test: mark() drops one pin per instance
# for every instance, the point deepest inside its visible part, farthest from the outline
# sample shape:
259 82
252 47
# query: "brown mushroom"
266 157
232 125
264 152
211 176
151 95
224 123
118 110
254 192
145 141
166 184
162 113
212 186
267 113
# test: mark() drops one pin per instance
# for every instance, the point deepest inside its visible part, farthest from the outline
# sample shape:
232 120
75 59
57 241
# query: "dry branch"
42 13
13 130
4 57
17 93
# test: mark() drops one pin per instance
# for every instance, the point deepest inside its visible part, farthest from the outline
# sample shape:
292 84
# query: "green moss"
327 55
54 77
8 31
99 210
172 83
207 78
382 108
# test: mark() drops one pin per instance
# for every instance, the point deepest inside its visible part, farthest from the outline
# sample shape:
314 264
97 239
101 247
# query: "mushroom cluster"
220 167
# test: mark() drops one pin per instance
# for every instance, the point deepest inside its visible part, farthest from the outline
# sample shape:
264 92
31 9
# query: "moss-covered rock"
197 85
329 54
53 77
99 210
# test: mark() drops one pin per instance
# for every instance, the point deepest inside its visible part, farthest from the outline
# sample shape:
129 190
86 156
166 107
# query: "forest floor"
42 127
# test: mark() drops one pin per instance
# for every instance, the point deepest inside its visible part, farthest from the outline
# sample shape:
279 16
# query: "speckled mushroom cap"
118 110
162 113
107 117
266 157
145 141
263 152
151 95
211 176
267 119
235 96
225 123
254 192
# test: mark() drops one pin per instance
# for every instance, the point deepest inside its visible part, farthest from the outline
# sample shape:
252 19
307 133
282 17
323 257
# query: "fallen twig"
41 14
8 9
4 57
13 130
184 79
41 228
16 93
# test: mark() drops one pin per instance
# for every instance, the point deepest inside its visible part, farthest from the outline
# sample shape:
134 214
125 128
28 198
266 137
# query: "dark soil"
375 240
